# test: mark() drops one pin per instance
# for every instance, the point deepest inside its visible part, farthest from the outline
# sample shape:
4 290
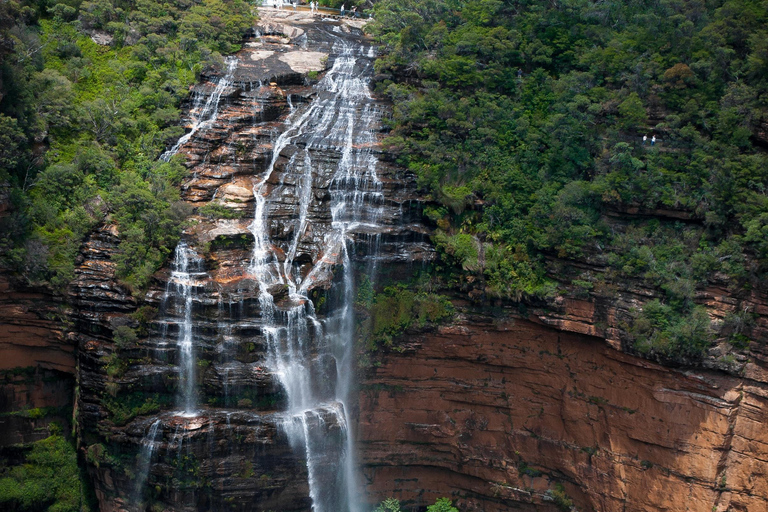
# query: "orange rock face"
30 330
515 415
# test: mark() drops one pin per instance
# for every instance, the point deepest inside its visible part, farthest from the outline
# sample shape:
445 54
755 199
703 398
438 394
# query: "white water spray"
205 116
312 359
186 277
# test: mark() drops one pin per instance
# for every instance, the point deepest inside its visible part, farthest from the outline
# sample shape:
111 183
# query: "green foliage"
124 337
442 505
48 479
560 498
144 315
393 505
219 211
523 121
105 113
660 329
398 308
124 407
388 505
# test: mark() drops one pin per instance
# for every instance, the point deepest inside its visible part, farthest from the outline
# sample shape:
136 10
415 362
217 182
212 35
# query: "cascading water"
145 459
186 277
205 116
312 359
255 364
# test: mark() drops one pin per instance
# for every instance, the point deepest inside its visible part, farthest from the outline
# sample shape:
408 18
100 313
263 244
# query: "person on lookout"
342 10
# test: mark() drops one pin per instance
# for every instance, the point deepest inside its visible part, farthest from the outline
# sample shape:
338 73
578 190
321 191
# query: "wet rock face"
231 450
220 461
498 414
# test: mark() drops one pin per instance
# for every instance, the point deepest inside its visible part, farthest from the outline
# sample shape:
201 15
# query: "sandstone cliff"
499 412
232 452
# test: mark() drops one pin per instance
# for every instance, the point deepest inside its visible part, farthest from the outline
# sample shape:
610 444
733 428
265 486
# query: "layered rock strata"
37 364
501 413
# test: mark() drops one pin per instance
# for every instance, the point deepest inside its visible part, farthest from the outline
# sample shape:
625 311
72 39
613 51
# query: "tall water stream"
323 164
314 359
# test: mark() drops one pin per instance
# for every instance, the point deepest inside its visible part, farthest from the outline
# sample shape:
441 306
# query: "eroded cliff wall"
503 413
499 410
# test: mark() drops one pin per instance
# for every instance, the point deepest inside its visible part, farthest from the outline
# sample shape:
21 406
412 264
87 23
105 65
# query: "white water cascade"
148 446
187 276
205 115
312 357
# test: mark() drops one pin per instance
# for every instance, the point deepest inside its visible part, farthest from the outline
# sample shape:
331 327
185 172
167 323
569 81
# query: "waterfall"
187 275
316 197
314 359
145 460
205 116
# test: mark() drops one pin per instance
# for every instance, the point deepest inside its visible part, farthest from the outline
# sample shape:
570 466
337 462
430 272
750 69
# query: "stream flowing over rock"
240 395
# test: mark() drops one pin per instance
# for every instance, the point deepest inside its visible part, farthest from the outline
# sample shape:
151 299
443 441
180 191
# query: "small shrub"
124 337
219 211
560 498
397 309
388 505
442 505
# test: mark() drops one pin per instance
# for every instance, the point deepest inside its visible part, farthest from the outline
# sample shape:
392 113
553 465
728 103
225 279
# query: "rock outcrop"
37 363
500 410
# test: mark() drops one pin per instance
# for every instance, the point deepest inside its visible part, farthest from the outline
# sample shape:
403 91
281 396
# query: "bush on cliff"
396 309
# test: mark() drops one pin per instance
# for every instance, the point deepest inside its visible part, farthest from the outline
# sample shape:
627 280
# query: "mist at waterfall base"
311 355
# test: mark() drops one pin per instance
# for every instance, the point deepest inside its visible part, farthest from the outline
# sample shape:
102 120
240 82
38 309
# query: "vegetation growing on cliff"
397 308
525 121
49 479
82 124
393 505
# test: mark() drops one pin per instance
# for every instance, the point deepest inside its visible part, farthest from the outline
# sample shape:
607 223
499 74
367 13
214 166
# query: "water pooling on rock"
249 365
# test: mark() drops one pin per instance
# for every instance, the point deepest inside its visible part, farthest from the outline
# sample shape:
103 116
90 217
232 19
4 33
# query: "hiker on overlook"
342 10
354 11
645 138
653 140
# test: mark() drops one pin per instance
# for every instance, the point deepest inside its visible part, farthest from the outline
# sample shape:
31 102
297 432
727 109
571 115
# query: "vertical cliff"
503 413
506 408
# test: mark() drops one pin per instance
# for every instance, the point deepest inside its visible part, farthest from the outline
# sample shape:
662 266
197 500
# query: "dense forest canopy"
525 122
89 99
